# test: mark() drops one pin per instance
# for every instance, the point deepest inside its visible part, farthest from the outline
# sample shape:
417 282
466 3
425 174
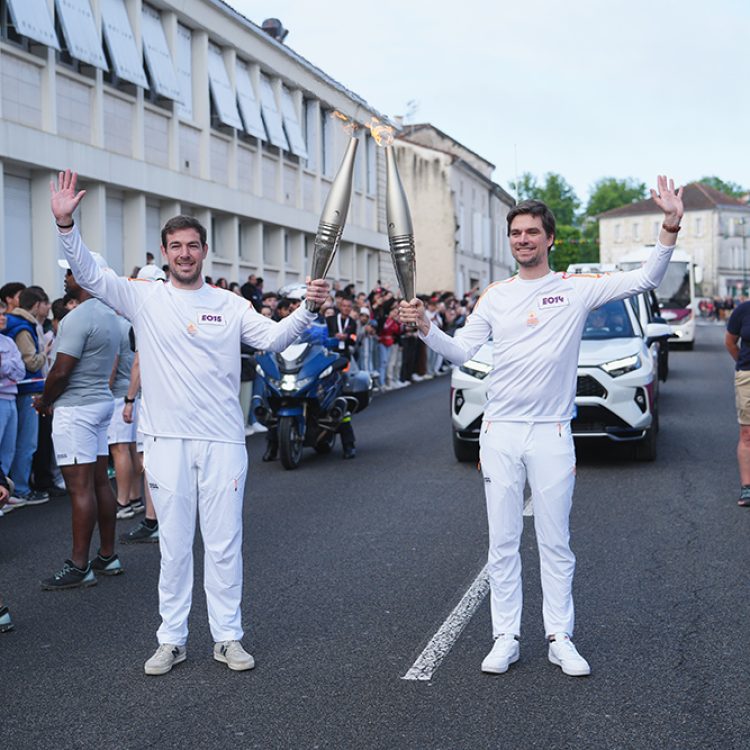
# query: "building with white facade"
715 233
176 106
459 213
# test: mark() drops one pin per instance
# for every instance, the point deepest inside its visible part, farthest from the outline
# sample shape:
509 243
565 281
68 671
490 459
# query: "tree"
527 187
609 192
728 188
556 192
572 245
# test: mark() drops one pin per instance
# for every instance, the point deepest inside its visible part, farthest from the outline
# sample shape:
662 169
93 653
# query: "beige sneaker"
164 658
233 655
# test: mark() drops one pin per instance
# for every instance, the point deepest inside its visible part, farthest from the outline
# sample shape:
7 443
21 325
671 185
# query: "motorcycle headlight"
620 366
328 371
288 382
476 369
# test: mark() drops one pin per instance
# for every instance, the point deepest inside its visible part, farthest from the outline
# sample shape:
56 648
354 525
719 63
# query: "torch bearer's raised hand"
413 313
64 199
317 291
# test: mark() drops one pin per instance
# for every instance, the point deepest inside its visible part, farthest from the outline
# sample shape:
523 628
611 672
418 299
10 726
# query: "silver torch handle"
400 231
333 218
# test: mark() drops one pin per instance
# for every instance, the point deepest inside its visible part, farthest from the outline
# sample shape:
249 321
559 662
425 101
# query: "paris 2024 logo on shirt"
547 301
210 318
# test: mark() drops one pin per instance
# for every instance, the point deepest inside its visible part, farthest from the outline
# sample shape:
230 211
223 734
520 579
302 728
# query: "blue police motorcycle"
307 393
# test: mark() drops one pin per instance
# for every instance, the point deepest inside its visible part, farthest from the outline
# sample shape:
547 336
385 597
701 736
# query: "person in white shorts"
148 529
188 336
535 320
121 435
77 394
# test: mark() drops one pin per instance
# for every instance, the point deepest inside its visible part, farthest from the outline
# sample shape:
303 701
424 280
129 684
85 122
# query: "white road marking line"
442 642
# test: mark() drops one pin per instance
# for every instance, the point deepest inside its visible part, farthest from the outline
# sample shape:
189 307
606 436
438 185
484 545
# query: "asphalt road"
351 566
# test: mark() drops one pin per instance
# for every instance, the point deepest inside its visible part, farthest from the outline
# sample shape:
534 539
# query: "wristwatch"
129 400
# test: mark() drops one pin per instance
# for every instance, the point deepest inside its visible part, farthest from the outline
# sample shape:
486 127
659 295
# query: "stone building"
458 212
715 233
176 106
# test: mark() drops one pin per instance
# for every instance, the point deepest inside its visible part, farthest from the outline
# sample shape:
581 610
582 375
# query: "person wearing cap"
535 320
151 272
78 395
189 336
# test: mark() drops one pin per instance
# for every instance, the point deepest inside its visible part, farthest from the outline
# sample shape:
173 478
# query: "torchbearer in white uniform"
535 320
189 338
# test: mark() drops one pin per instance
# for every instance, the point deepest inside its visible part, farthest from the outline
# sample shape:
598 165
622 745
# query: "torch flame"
382 133
350 126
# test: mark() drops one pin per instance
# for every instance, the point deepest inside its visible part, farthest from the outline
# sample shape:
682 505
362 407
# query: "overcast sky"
585 88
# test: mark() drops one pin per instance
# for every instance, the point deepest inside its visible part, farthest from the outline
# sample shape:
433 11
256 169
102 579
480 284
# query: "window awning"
271 115
123 51
291 124
248 101
158 59
221 89
33 19
80 32
185 71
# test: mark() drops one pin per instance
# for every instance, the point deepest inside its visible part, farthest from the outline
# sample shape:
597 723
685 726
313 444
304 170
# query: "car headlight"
621 366
476 369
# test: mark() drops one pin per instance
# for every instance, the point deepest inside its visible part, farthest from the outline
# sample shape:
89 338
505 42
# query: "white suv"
617 390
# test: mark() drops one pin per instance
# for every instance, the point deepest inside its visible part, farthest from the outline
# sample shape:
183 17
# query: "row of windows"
639 230
281 254
242 97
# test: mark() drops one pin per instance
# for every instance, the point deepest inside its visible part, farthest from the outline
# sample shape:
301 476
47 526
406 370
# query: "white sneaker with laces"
164 658
505 652
124 511
233 655
565 655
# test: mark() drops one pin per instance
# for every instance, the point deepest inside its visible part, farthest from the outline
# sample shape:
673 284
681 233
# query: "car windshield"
674 290
609 321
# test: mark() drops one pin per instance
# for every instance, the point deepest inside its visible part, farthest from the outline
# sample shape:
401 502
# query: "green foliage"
556 192
609 192
728 188
574 245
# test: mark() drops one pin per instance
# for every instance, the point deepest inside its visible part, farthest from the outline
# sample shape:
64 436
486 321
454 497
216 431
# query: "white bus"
676 293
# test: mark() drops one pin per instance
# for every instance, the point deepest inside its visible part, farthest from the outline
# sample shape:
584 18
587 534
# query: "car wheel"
465 451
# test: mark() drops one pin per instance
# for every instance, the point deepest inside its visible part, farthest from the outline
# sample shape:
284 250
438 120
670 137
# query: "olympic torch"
333 218
400 230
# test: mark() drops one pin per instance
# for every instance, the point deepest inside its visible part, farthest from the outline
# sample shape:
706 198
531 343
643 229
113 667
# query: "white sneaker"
564 654
13 503
258 427
249 429
164 658
124 511
233 655
505 652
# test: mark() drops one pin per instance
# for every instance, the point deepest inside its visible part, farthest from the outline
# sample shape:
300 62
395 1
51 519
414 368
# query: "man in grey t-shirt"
77 392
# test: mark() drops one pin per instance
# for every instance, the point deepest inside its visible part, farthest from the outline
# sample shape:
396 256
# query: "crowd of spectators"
380 345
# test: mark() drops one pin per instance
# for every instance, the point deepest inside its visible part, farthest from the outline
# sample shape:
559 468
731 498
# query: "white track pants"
542 453
207 477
